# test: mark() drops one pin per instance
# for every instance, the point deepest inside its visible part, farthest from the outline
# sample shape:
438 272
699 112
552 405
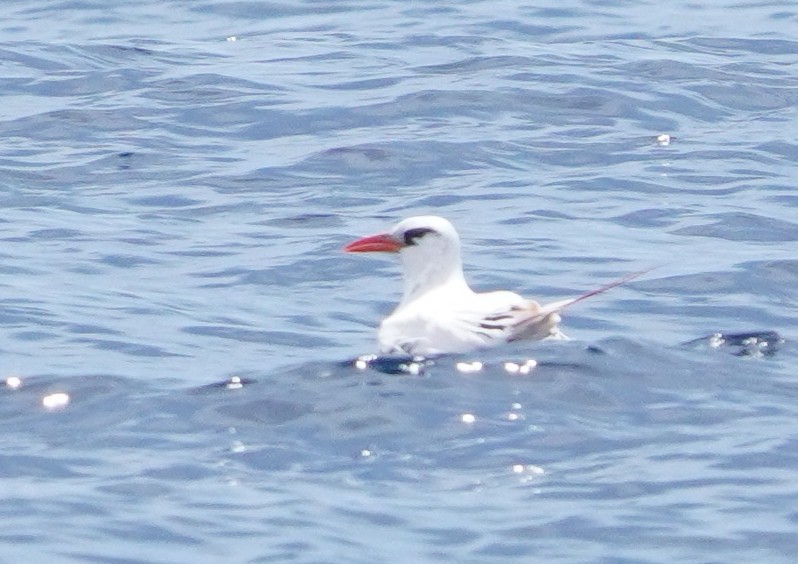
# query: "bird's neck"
447 277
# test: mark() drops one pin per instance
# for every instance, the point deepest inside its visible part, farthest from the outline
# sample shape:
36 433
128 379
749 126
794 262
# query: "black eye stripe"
412 234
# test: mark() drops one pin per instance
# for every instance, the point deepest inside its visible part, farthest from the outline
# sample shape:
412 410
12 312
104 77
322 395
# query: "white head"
428 247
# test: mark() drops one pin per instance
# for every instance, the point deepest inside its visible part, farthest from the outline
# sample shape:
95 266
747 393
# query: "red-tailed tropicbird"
439 312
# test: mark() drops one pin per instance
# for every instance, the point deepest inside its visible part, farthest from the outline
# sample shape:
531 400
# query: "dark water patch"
166 201
127 347
739 226
307 221
724 45
128 261
753 343
284 338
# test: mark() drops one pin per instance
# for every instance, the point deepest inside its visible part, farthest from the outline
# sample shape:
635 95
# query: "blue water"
178 179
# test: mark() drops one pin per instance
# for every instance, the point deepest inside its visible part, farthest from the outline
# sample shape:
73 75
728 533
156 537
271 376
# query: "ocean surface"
185 372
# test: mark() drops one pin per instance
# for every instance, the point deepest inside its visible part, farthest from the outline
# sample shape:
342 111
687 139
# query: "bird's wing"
509 319
463 325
